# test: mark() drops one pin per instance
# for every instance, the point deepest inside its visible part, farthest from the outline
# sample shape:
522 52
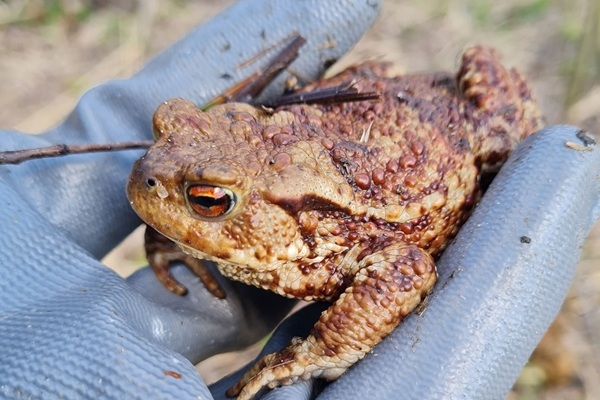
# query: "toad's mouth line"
200 254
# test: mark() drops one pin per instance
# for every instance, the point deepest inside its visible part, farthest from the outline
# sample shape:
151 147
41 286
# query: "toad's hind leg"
504 110
389 284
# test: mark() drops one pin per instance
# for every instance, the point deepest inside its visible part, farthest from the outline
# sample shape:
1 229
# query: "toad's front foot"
161 252
389 285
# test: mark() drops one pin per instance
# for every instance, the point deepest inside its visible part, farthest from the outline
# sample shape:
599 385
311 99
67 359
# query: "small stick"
255 83
292 36
343 93
18 156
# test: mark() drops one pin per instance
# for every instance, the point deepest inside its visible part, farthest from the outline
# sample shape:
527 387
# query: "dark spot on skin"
443 80
525 239
407 228
392 166
305 270
353 236
509 113
463 144
362 181
285 355
307 203
222 254
226 76
495 157
378 175
376 244
407 162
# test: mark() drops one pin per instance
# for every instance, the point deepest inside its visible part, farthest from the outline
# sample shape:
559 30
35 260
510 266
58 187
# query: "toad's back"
413 159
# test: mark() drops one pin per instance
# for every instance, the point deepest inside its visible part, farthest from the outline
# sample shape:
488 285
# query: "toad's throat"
202 255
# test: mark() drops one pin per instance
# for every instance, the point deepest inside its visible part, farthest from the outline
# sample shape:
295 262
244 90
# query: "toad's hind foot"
388 286
161 252
504 109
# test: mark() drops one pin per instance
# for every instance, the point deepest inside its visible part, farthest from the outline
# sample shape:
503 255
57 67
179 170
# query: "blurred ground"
53 50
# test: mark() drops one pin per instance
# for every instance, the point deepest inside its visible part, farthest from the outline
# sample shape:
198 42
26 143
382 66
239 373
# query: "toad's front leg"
389 285
161 252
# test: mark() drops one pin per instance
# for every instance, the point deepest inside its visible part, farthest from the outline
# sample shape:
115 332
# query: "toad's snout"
143 185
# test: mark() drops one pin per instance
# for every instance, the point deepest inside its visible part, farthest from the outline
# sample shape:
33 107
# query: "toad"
349 202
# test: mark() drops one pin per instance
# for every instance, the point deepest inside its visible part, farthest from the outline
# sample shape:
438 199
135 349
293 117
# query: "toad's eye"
210 201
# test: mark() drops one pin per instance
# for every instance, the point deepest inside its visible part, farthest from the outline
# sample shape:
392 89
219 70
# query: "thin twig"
255 83
18 156
330 95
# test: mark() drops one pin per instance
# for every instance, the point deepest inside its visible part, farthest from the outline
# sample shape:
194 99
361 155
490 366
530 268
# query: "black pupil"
208 202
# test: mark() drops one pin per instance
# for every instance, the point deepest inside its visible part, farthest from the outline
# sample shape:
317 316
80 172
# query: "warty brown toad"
348 202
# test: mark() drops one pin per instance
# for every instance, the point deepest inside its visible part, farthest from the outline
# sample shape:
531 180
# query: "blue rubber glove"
70 328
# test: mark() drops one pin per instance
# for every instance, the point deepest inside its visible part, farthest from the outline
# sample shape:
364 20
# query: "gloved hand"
70 328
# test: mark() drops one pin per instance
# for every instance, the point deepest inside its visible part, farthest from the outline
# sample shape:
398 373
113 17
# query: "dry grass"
54 50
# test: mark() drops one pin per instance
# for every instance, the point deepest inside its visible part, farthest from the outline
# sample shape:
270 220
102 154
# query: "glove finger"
199 325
